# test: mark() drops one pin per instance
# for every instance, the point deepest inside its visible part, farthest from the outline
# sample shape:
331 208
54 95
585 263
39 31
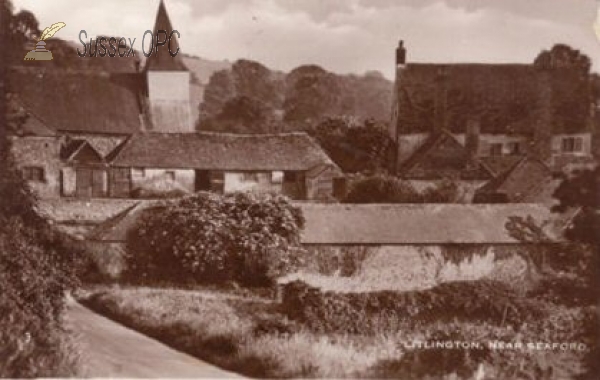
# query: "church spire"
162 60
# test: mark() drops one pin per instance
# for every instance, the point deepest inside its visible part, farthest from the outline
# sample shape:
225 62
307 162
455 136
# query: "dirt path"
112 350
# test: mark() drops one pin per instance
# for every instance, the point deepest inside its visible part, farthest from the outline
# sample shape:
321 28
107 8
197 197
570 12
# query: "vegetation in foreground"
37 267
247 335
254 336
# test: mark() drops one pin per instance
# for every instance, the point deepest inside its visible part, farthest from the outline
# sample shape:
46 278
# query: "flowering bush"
210 238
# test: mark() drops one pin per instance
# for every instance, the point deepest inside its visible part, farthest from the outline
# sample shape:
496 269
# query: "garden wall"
407 267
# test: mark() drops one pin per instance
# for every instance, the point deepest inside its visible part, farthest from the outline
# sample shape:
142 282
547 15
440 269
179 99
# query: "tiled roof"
527 181
382 224
441 155
221 151
414 223
80 101
505 97
500 164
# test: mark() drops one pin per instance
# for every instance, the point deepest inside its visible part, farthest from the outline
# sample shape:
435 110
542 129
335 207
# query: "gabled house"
443 156
99 134
529 180
542 109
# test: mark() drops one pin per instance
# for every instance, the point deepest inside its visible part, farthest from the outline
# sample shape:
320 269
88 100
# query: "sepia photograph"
290 189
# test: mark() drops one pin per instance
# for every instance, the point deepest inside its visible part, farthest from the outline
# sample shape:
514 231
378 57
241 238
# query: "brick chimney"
400 54
439 122
544 122
394 127
472 137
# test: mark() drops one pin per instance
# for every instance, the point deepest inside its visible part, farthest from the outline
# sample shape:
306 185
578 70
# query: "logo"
117 47
40 53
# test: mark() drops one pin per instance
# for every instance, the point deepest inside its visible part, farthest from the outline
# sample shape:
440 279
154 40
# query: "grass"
245 334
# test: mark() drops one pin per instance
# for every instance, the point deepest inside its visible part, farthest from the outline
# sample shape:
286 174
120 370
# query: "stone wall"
73 210
44 153
406 268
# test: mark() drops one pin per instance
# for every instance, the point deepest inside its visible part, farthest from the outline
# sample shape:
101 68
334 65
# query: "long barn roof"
221 151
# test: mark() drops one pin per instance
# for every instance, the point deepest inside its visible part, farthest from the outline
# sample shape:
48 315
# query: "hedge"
485 300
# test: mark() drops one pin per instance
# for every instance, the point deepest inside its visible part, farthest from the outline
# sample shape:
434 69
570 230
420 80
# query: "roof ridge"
227 134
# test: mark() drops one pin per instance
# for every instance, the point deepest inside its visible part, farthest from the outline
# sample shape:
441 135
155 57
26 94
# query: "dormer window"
514 148
572 144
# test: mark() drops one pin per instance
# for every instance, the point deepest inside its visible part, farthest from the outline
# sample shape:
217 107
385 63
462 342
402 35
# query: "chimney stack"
544 125
472 137
400 54
439 122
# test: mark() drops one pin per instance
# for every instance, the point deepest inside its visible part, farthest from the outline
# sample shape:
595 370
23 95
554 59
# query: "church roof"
80 101
162 60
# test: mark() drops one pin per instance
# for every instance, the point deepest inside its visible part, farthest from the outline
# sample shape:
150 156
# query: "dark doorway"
90 183
202 181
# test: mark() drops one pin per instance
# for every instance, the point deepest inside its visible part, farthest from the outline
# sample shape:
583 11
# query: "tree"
355 147
563 56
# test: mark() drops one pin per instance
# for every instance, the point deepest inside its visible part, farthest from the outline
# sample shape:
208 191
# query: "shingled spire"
168 104
162 60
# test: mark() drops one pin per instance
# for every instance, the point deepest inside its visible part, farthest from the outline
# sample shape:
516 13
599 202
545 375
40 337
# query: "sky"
343 36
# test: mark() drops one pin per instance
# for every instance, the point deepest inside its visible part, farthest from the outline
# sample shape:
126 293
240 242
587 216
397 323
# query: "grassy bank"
242 334
248 334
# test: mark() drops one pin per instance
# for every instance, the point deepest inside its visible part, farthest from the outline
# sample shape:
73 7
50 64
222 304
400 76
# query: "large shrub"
390 189
209 238
382 189
37 267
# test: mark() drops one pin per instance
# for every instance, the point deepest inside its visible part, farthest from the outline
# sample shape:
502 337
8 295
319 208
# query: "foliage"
242 334
293 101
389 189
355 148
37 265
488 301
574 277
243 237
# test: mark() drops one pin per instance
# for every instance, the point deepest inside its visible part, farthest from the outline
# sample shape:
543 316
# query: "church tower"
168 81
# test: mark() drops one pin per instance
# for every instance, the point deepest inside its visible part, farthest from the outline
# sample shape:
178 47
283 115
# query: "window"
170 174
138 172
33 173
277 177
572 144
496 149
514 148
250 177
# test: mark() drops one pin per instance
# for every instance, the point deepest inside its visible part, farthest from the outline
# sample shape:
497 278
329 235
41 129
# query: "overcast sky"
341 35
